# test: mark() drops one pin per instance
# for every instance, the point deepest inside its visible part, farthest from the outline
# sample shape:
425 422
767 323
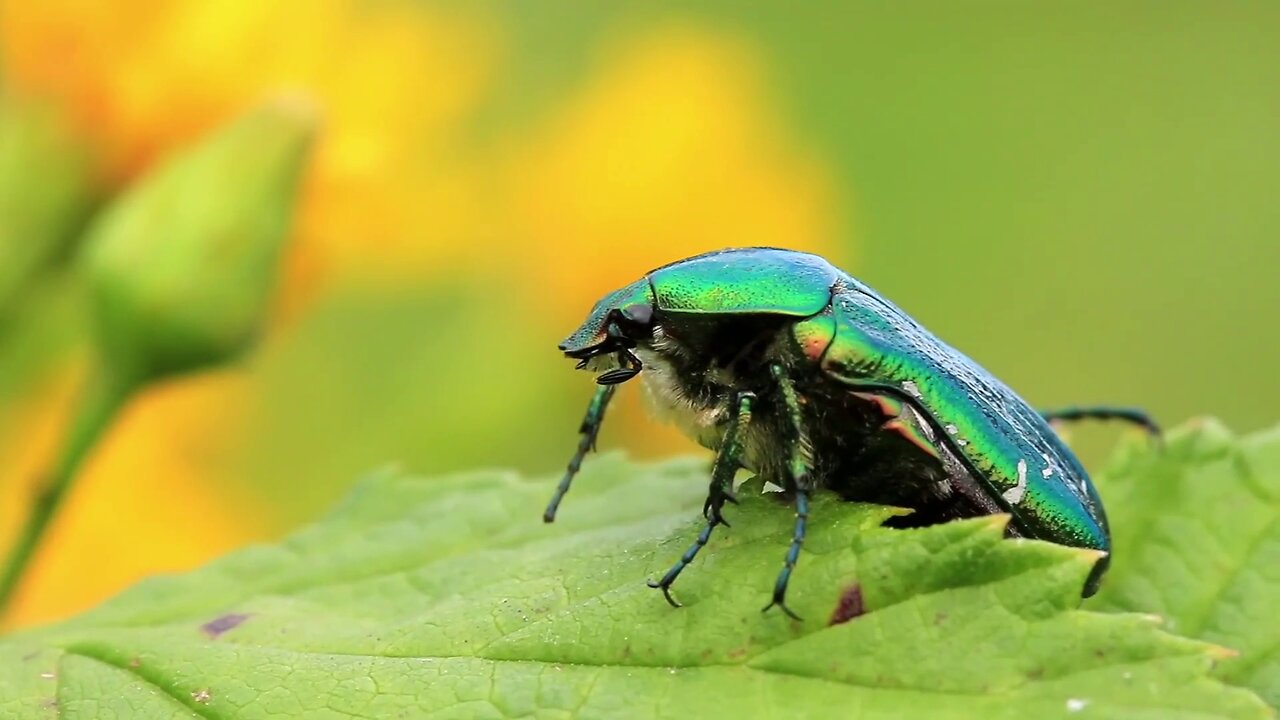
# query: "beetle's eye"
631 324
638 314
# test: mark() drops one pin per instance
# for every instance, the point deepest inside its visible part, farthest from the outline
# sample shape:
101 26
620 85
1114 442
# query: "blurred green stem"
104 396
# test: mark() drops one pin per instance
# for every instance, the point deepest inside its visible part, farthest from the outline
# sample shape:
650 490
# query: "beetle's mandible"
789 367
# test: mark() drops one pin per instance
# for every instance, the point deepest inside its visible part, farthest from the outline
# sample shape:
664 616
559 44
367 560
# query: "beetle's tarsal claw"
666 592
778 602
713 516
711 510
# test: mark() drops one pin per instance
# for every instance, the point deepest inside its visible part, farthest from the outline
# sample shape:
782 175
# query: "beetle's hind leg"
589 429
1133 416
728 460
799 482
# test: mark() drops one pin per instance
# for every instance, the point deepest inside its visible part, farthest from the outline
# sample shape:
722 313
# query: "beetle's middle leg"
728 460
799 480
1133 416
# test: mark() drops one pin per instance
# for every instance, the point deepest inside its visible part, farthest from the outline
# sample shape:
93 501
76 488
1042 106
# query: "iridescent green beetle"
795 370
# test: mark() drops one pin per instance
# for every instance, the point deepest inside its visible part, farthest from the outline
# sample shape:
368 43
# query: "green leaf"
450 598
1197 540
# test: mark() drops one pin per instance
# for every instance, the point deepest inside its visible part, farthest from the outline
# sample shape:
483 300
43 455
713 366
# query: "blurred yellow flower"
672 148
392 79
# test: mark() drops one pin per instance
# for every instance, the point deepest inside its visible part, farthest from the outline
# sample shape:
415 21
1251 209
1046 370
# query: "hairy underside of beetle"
855 448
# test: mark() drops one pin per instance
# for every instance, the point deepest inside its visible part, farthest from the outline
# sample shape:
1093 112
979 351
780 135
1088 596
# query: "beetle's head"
618 323
710 306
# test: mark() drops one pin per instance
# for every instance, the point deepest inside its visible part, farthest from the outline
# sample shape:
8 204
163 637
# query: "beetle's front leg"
589 429
728 460
799 466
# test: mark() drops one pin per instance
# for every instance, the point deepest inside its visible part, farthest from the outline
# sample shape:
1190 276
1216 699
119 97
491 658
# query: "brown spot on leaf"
217 626
849 606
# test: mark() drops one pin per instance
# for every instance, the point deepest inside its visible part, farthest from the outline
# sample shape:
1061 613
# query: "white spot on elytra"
1048 470
912 389
1013 495
1076 704
952 429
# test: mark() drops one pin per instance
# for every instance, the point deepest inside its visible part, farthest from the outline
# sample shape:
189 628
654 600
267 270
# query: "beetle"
790 367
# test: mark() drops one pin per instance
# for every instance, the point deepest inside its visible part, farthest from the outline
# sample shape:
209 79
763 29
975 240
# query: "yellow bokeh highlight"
671 148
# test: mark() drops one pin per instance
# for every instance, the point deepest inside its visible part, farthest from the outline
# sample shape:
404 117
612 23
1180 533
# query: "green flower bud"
182 266
46 193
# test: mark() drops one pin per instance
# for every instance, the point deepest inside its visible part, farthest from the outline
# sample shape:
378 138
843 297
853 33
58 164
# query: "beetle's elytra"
795 370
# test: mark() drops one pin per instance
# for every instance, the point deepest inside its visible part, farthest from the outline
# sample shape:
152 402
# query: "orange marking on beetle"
889 407
912 435
813 344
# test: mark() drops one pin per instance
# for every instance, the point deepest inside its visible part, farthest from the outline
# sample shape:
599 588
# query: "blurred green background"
1079 195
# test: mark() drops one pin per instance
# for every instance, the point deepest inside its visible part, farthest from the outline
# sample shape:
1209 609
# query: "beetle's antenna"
589 429
630 367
